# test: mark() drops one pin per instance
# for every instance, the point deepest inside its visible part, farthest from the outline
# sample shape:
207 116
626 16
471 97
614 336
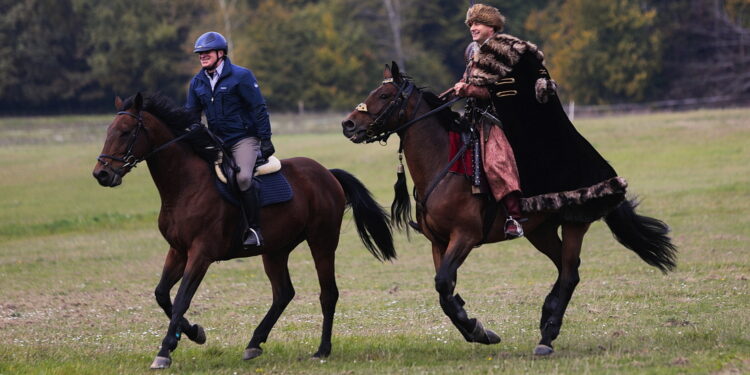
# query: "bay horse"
452 218
202 228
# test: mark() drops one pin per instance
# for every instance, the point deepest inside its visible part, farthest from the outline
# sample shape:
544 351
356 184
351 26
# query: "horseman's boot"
251 206
513 228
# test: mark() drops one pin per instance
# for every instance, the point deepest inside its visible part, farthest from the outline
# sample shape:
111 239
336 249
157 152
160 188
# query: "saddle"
273 186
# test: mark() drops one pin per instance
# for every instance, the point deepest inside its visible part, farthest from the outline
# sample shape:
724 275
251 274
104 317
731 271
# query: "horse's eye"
384 96
125 133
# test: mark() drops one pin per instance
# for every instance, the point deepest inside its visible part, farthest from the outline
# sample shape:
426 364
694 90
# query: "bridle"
376 131
129 160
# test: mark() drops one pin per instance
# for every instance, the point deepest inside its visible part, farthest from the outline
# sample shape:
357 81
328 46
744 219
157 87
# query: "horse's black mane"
447 116
177 119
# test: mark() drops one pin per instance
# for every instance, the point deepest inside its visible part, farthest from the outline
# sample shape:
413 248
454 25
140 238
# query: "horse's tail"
645 235
373 223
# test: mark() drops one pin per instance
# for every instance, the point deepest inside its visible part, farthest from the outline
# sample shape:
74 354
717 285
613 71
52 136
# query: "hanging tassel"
401 206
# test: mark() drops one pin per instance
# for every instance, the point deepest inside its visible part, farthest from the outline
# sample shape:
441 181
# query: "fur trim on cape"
497 56
545 88
583 205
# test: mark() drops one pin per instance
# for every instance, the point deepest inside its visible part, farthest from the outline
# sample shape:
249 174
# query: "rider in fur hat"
499 161
559 170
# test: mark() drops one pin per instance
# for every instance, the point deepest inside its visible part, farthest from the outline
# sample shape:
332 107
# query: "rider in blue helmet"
229 96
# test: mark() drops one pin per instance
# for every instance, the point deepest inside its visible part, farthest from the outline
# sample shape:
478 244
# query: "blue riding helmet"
210 41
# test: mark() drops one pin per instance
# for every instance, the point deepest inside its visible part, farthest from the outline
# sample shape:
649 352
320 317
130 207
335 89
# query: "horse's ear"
395 71
387 72
138 102
118 103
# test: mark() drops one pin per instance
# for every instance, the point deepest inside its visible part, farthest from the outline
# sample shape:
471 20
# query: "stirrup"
512 234
252 238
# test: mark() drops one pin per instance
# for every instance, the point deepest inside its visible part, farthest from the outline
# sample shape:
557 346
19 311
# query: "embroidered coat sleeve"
544 86
473 91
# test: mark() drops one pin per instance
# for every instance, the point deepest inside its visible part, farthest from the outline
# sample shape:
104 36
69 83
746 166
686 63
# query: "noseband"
129 160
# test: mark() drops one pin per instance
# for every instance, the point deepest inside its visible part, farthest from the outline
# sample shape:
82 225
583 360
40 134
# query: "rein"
130 160
439 177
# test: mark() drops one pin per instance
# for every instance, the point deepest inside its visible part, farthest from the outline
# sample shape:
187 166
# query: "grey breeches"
245 153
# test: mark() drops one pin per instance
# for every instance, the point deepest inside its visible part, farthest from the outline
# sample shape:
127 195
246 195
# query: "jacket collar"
225 70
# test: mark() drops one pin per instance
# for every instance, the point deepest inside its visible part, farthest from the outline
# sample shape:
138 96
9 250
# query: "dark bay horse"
202 228
452 218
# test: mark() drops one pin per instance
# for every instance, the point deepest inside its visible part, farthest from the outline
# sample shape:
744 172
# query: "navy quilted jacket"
235 109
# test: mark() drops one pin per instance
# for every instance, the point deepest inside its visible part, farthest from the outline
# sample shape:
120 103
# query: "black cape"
560 170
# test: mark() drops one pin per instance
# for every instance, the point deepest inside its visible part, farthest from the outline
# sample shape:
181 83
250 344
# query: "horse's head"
383 110
125 145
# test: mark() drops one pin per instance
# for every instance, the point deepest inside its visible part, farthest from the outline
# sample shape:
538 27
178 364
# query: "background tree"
37 38
600 51
134 45
75 55
707 50
307 53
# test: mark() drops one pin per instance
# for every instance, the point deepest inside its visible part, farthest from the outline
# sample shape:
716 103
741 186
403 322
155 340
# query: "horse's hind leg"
195 270
277 271
324 253
174 267
572 239
546 240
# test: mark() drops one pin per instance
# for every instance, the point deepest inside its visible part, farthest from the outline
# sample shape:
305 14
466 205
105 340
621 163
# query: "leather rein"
129 160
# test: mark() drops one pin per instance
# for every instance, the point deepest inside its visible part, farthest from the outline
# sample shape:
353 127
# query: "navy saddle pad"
274 188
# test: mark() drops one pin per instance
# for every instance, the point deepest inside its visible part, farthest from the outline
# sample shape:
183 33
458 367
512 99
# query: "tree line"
76 55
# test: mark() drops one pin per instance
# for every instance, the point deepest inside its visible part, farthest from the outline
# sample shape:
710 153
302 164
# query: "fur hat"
486 15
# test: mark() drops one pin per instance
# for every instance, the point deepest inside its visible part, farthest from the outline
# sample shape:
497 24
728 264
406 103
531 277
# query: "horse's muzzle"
351 131
106 178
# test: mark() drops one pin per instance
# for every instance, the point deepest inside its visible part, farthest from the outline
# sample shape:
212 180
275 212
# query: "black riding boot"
251 207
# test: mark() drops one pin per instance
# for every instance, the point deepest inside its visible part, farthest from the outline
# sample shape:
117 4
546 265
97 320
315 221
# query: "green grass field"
79 262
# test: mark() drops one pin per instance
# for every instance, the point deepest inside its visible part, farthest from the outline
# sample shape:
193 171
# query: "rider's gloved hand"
266 148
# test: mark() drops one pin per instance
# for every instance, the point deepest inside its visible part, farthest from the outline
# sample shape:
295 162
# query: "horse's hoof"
320 355
543 350
492 337
200 336
484 336
251 353
161 363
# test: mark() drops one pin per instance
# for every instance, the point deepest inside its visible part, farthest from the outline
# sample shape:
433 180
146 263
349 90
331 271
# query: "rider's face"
210 59
480 32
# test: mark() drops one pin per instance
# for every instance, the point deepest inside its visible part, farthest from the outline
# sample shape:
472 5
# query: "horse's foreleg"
277 271
445 284
195 269
174 267
329 293
572 239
